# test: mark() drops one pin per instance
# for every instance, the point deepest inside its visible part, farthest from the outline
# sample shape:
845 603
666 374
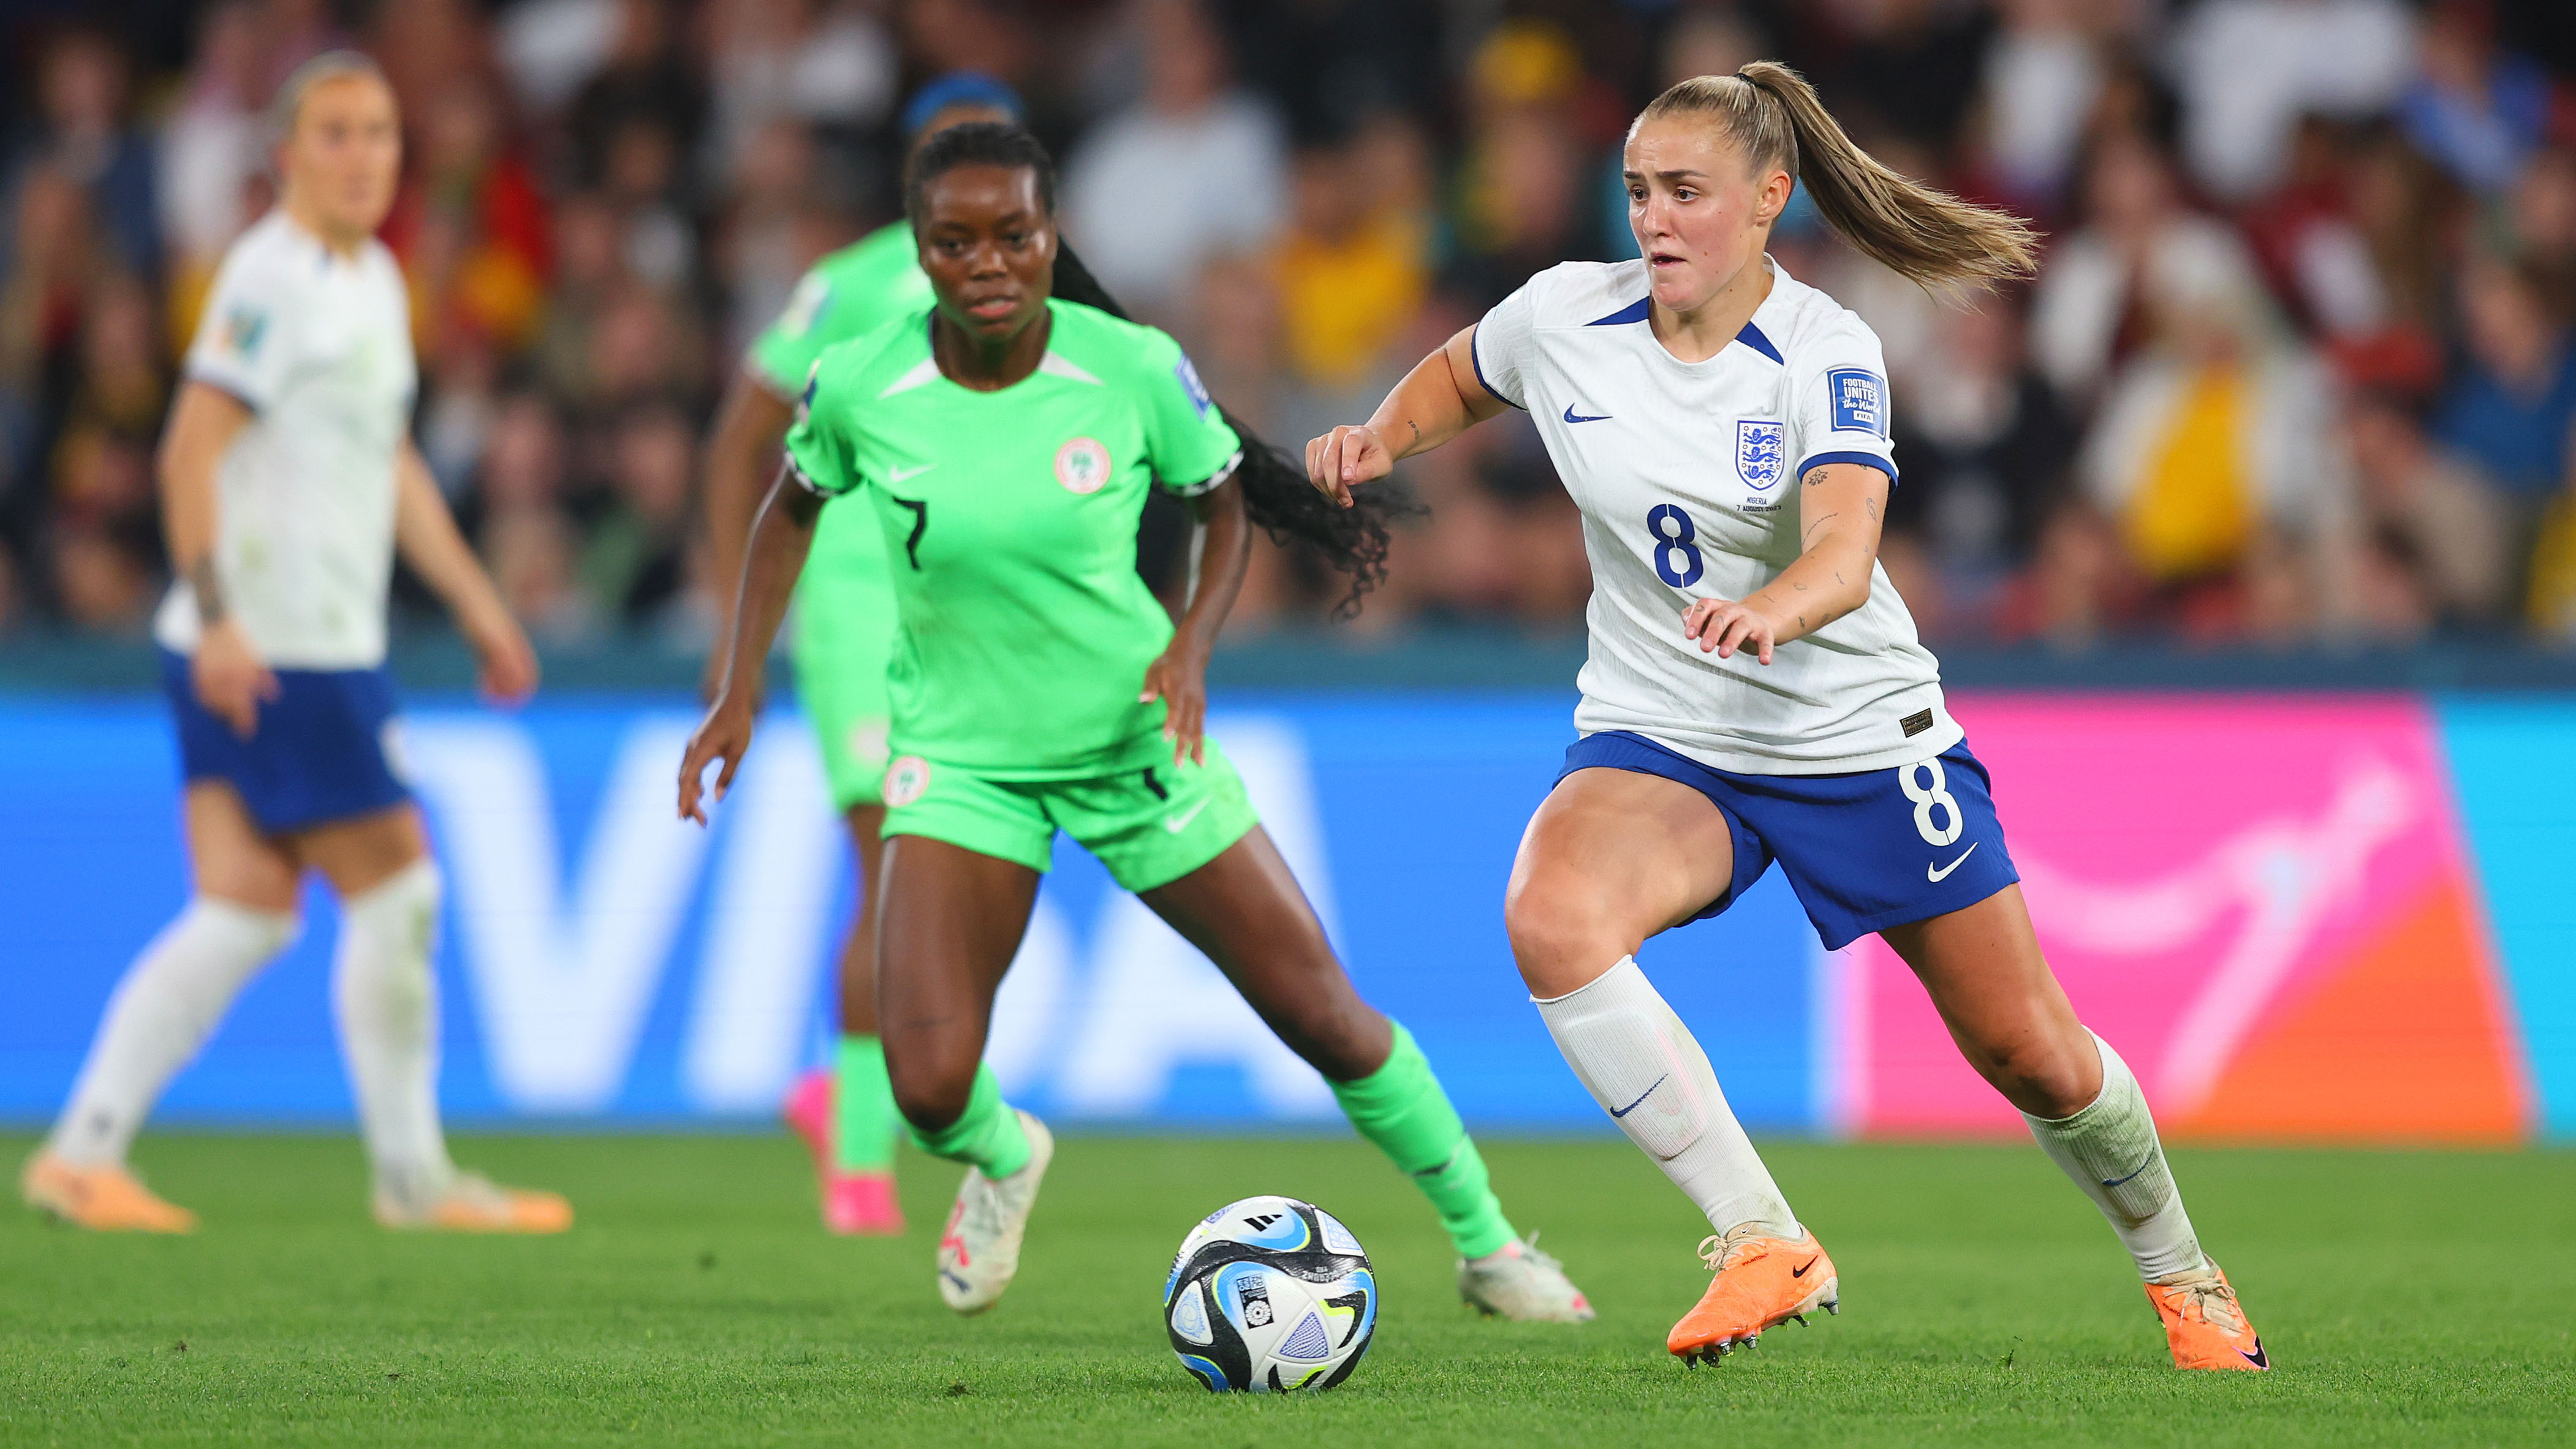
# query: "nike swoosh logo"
2257 1358
899 474
2143 1166
1943 873
1641 1096
1802 1272
1572 416
1181 822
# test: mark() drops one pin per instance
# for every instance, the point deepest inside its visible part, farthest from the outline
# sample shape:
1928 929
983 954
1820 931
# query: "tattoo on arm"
1417 429
1872 505
209 589
1813 524
1814 477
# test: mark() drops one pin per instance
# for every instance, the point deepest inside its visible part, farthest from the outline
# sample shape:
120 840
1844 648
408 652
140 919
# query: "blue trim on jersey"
1477 360
1883 464
317 756
1636 311
1752 337
1857 848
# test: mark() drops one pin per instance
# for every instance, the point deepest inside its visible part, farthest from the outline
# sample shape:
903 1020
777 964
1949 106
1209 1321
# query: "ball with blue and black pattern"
1270 1295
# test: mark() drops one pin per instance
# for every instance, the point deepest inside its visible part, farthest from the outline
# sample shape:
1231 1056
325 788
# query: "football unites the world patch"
1859 399
1761 452
1082 465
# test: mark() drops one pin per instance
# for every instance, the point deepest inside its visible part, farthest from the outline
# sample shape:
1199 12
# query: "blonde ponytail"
1921 233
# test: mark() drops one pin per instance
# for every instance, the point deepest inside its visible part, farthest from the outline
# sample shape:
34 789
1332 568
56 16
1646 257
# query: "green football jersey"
848 294
1009 522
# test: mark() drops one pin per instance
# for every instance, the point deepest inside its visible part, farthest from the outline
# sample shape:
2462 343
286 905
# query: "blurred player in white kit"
288 480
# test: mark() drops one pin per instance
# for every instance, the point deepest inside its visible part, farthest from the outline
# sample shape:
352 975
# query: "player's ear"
1772 198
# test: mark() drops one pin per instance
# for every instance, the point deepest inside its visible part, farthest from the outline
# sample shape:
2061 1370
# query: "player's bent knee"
931 1094
2044 1078
1563 936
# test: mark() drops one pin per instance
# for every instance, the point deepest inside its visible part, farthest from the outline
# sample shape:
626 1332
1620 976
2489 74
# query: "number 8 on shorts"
1928 800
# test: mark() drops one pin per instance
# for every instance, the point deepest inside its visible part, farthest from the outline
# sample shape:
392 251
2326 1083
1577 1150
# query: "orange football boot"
1760 1282
474 1203
107 1197
2204 1324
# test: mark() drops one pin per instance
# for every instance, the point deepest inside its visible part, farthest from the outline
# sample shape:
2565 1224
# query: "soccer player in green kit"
844 635
1003 440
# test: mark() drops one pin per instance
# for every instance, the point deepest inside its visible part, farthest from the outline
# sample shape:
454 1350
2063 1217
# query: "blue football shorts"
322 751
1863 851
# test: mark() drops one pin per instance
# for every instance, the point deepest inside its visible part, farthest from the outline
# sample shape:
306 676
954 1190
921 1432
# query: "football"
1270 1295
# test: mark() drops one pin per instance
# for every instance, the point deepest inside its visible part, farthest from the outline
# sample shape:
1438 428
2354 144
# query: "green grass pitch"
2405 1297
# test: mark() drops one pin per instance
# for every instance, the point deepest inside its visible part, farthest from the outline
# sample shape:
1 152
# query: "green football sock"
987 1134
862 1107
1402 1109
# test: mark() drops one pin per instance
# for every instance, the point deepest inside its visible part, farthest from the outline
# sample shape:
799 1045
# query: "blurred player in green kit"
844 632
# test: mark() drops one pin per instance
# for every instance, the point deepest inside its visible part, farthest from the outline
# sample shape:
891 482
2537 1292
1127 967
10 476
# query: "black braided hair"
1276 494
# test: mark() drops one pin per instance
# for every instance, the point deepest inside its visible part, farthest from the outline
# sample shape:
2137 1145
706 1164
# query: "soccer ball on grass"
1269 1295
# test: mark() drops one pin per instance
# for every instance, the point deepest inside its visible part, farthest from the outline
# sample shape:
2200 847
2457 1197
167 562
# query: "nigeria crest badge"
1761 452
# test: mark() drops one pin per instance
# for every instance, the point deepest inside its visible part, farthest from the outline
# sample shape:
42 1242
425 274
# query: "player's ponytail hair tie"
1928 235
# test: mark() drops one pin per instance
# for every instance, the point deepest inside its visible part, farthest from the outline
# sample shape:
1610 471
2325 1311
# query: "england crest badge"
1761 452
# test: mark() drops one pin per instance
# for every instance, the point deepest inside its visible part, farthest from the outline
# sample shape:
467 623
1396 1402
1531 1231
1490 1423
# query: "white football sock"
2111 1151
387 1000
1643 1066
160 1014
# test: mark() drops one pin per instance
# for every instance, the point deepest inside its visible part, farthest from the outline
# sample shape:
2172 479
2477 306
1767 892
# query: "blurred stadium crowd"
2299 365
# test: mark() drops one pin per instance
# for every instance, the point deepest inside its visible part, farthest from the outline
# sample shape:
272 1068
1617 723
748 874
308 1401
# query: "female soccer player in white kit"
288 480
1755 690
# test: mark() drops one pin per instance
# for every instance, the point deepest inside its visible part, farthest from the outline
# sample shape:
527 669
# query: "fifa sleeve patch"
1859 400
1190 384
245 328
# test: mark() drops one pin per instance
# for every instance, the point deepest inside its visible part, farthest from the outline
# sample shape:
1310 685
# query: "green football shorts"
844 638
1150 826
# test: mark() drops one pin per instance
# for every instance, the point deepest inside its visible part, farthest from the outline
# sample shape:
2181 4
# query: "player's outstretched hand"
1726 625
505 662
1347 455
1179 679
722 736
230 677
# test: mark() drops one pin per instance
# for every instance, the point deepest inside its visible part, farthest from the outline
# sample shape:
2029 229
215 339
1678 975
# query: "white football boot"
980 1250
1519 1282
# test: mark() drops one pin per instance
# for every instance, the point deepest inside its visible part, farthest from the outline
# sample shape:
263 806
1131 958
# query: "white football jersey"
318 347
1687 475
